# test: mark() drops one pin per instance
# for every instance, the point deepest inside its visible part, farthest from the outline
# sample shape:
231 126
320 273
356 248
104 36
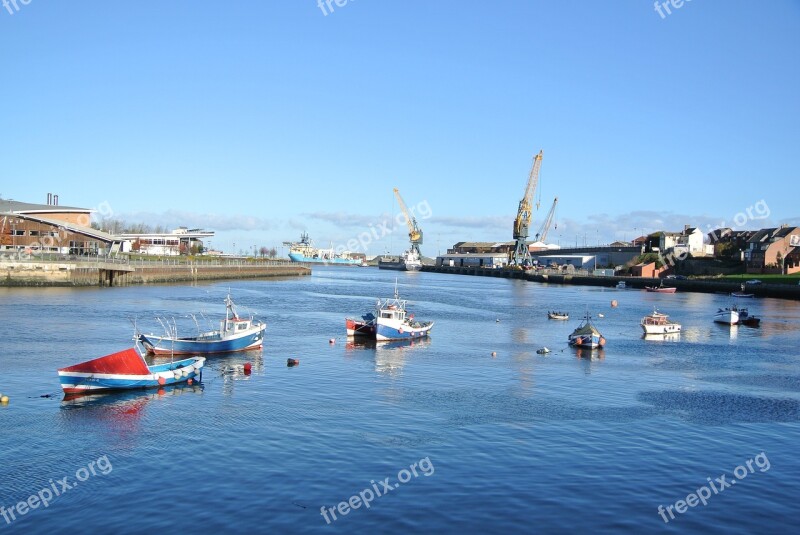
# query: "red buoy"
247 368
292 362
162 381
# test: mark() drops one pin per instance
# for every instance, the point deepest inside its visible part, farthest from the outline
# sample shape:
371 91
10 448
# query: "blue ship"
304 251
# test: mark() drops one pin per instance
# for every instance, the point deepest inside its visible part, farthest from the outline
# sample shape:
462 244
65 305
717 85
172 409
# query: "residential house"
774 250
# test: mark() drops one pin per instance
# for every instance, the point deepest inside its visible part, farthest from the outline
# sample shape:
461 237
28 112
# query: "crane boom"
520 256
542 234
414 232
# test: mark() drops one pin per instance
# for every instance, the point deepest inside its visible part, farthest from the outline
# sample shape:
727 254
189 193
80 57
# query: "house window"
33 233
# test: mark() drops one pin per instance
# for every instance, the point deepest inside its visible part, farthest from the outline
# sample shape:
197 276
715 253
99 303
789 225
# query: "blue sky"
263 119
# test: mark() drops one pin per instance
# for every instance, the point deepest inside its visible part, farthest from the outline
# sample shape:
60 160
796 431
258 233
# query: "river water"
467 442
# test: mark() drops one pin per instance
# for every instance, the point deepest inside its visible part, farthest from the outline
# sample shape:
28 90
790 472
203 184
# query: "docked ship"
304 251
408 261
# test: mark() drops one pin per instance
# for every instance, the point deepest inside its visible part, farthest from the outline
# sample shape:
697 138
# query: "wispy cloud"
344 219
490 223
178 218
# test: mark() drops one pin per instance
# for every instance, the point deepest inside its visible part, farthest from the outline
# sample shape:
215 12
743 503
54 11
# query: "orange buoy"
188 381
614 302
248 368
162 381
292 362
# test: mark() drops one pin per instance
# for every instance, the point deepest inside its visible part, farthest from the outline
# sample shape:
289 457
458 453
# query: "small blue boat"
235 333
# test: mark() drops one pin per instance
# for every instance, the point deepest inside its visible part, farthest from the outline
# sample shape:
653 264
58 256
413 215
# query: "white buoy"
494 353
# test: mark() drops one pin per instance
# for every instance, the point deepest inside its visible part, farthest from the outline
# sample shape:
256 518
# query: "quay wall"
27 273
780 291
183 273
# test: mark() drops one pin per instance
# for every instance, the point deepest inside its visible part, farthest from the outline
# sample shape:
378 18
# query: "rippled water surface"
517 442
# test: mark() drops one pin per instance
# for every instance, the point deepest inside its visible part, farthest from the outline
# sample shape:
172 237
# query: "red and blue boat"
126 370
235 333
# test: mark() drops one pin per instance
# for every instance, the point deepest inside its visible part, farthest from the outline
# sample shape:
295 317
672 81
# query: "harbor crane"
414 232
542 234
521 256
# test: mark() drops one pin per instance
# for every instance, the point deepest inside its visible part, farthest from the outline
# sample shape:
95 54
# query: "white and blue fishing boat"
393 322
125 370
235 333
586 335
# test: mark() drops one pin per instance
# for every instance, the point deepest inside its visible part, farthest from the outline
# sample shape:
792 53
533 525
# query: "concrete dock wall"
28 273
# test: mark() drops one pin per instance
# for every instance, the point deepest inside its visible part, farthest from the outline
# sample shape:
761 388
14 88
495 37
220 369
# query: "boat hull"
294 257
589 341
394 331
671 328
360 328
164 345
391 264
728 317
127 370
661 290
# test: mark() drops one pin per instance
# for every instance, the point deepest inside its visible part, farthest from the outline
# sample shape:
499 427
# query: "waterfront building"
774 250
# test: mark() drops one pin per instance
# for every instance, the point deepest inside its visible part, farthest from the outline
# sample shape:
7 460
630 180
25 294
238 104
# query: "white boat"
394 323
553 315
658 323
728 316
736 315
622 285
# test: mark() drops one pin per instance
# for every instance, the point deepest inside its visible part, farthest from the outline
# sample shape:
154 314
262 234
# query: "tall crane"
542 234
414 232
521 256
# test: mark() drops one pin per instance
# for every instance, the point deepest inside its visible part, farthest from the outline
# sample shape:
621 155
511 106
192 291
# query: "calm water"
519 442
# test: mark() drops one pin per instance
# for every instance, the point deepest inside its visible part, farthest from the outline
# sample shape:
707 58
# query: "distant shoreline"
778 291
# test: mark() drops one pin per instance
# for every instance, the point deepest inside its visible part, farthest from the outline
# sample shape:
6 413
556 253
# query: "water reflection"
118 414
666 337
390 355
588 357
231 368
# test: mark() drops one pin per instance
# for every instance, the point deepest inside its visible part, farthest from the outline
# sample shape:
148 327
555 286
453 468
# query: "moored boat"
393 321
235 333
363 327
125 370
728 315
586 335
553 315
622 285
408 261
658 323
736 315
661 289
